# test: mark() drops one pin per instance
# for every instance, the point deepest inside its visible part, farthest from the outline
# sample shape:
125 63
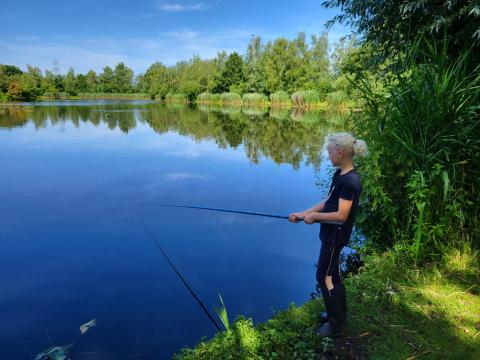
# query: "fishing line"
180 275
338 223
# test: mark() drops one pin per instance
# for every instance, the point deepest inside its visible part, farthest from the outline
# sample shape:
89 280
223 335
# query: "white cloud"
184 176
136 52
166 6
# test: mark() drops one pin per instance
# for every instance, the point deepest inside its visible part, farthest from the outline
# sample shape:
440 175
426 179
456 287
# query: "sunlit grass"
395 311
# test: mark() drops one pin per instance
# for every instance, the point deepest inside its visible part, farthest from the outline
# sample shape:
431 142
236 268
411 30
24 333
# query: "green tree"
232 75
92 81
106 80
70 82
391 26
253 74
122 79
7 73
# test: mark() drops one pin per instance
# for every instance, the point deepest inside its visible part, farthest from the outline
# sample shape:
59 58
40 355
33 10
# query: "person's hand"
310 219
294 217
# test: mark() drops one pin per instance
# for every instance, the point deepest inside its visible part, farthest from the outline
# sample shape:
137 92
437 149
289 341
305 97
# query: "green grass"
176 98
209 99
121 96
395 312
255 99
280 98
231 99
307 98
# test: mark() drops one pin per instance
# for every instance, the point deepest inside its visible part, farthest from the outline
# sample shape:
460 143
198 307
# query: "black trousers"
329 262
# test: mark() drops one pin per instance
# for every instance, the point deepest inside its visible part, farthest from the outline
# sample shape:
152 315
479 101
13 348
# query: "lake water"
74 178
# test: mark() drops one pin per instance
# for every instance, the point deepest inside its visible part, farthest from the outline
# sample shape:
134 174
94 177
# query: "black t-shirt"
347 186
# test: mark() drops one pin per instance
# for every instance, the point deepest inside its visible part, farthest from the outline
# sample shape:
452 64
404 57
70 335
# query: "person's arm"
344 207
314 209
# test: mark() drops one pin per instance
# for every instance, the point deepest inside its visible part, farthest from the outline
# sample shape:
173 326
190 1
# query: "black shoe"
323 317
336 310
329 330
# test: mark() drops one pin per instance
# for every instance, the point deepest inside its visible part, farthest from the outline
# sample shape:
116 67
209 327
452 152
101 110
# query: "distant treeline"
278 66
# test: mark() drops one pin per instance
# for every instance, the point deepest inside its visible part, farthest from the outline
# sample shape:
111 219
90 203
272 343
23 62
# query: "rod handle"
337 223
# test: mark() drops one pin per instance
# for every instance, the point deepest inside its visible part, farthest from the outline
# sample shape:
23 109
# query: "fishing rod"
180 276
337 223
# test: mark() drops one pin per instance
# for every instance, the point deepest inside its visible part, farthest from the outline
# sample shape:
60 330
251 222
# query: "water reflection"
71 249
292 136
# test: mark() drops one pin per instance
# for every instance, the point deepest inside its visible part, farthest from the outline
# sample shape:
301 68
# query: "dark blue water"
73 178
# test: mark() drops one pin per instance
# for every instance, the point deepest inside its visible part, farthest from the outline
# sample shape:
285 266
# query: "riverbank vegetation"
394 313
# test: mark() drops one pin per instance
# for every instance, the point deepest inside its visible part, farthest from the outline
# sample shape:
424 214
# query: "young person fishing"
340 205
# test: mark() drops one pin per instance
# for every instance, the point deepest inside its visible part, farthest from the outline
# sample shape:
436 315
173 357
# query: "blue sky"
91 34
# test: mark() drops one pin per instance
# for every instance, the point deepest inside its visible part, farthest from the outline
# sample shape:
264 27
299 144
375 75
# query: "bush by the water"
421 180
122 96
337 98
254 99
306 98
176 98
280 98
209 98
231 99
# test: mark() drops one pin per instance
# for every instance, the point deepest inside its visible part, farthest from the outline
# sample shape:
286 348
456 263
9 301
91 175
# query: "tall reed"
255 99
176 98
280 98
306 98
231 99
421 182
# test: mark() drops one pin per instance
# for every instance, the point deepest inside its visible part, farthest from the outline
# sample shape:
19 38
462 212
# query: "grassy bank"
310 99
95 96
395 312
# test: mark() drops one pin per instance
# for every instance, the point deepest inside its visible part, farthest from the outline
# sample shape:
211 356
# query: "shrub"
254 99
176 98
209 98
306 98
421 181
231 99
337 98
280 98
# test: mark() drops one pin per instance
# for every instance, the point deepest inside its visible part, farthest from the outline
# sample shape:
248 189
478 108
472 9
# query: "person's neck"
344 168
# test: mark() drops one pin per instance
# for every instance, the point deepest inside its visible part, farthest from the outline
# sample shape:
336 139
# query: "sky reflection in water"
71 248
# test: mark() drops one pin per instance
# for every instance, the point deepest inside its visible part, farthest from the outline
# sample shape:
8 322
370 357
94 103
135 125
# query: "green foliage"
122 79
231 99
254 99
232 74
306 98
70 82
209 98
393 25
337 98
19 92
121 96
421 184
176 98
3 97
280 98
418 311
223 315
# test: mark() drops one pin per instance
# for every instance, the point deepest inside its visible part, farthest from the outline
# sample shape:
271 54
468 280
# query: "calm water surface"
73 179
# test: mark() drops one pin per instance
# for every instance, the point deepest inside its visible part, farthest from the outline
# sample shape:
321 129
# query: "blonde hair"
347 142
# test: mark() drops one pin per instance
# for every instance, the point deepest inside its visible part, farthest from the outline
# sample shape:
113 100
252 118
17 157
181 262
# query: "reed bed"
280 98
306 98
231 99
209 98
176 98
112 96
255 99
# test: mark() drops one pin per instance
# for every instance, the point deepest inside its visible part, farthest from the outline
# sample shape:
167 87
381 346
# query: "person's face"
335 155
